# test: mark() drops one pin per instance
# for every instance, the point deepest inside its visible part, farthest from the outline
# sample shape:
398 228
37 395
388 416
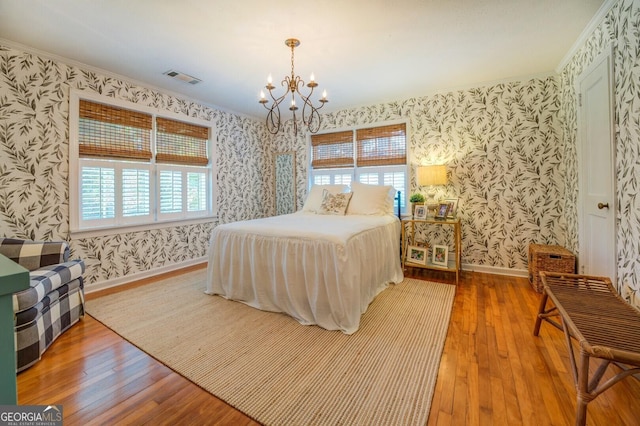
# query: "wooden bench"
604 325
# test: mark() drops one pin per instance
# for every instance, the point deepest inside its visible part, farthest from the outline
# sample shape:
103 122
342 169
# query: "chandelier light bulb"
269 79
311 79
324 94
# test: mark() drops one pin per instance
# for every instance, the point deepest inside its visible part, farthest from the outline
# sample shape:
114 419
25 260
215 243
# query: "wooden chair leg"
583 392
581 413
543 304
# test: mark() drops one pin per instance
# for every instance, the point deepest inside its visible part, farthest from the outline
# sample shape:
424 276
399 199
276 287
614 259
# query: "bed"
321 269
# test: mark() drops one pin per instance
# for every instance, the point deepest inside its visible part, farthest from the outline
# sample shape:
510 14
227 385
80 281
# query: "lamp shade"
432 175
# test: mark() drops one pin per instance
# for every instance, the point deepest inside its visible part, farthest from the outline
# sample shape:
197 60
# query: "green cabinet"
13 278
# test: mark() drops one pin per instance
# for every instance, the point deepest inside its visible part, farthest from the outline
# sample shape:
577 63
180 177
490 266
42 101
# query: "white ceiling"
361 51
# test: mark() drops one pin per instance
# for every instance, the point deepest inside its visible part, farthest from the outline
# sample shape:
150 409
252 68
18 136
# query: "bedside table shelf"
408 238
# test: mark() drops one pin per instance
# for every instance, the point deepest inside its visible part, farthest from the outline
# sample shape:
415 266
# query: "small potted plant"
415 199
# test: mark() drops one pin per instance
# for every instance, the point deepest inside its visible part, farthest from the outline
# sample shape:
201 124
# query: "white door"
597 238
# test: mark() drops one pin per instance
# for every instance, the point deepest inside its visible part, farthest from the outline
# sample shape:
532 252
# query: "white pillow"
314 199
371 199
334 203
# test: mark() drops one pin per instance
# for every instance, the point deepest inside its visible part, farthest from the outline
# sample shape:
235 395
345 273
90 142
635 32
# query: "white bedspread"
320 269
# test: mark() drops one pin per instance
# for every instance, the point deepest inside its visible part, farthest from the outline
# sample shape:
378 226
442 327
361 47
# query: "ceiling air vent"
182 76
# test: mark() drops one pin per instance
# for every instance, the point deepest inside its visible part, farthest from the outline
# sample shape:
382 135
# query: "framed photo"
417 255
421 211
443 209
453 207
440 255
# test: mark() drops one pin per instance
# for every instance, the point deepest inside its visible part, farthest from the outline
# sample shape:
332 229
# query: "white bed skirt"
327 274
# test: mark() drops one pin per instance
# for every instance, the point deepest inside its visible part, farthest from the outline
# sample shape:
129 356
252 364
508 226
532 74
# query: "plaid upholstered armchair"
54 300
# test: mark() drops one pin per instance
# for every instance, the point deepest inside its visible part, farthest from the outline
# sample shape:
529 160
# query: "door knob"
602 206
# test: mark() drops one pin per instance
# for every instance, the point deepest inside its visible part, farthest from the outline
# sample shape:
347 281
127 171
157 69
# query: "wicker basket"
548 258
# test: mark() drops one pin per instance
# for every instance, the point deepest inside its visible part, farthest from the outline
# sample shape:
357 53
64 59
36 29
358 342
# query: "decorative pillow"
371 199
335 203
314 199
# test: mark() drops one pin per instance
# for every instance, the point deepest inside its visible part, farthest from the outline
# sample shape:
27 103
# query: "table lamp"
430 176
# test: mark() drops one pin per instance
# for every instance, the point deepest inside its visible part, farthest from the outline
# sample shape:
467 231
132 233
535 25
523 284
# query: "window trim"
156 221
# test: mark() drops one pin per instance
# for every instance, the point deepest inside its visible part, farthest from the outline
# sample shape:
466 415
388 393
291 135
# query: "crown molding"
597 19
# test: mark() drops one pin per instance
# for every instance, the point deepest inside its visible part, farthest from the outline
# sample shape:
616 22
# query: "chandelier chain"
292 72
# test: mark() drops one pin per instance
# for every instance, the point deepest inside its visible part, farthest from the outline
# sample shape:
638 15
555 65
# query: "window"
327 176
373 155
136 167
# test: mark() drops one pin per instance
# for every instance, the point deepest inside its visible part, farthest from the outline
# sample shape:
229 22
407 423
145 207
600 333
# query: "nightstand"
408 239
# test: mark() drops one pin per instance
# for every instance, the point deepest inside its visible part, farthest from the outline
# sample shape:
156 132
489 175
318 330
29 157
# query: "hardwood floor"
493 372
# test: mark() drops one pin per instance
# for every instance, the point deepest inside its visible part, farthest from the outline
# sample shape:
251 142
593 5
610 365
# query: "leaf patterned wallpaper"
34 166
621 26
501 144
503 149
509 149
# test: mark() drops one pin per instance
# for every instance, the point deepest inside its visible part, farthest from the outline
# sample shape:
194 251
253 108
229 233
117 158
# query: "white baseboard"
496 270
101 285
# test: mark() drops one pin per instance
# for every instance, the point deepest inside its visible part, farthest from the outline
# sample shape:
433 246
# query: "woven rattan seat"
603 324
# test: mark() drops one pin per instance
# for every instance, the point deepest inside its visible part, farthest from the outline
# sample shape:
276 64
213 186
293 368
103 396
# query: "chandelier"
293 84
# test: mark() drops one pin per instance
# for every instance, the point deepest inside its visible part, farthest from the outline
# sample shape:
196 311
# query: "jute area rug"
279 372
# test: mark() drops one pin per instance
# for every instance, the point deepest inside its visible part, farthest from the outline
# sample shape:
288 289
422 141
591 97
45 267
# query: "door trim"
605 55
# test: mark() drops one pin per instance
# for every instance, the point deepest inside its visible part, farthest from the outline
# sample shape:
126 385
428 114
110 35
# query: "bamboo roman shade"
382 146
107 131
181 143
332 150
